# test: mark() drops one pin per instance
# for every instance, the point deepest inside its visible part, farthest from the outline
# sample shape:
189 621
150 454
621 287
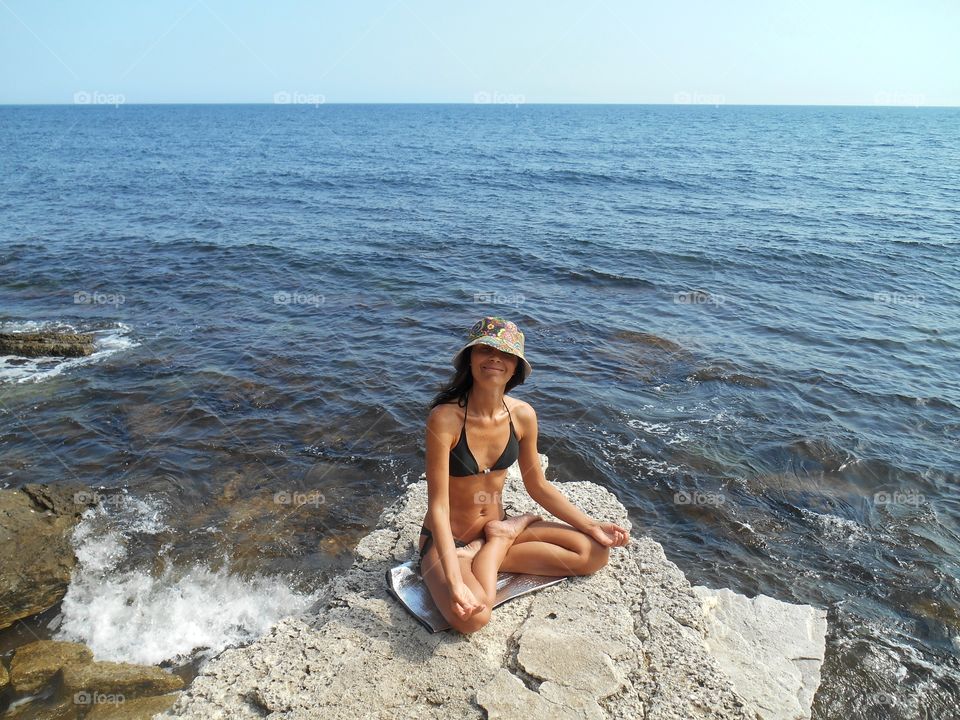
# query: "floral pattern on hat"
500 333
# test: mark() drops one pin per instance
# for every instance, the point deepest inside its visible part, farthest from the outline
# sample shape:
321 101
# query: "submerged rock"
46 344
628 641
43 710
713 372
649 340
36 557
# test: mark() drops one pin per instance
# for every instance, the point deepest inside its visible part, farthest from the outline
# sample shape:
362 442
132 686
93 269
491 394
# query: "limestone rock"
35 664
36 558
771 650
4 677
625 642
46 344
113 678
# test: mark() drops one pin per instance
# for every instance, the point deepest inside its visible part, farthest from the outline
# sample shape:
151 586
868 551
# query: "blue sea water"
742 320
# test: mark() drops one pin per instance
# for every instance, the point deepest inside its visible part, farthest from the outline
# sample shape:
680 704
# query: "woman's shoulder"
519 409
445 412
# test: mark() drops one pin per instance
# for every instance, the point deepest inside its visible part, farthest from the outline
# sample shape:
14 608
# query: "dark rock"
36 557
35 664
138 709
648 339
113 678
46 344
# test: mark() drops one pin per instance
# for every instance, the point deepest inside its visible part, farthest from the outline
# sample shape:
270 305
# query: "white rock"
771 650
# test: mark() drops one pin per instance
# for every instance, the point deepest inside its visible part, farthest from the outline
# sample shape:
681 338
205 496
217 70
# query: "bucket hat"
499 333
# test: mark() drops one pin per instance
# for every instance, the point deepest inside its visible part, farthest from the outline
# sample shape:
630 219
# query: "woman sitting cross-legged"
467 538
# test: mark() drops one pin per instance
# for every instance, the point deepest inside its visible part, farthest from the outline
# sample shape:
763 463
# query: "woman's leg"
500 535
432 574
554 549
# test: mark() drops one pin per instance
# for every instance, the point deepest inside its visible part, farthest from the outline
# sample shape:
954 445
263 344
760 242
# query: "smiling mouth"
494 369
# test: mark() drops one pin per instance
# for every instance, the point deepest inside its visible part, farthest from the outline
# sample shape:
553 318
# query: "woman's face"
488 363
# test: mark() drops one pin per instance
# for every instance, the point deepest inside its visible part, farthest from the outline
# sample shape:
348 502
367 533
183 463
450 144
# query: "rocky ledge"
46 344
36 557
634 640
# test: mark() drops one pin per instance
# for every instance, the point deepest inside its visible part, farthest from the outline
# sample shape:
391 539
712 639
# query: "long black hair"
456 388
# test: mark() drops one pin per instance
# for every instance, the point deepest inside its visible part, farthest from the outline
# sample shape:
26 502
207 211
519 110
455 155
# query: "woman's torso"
475 500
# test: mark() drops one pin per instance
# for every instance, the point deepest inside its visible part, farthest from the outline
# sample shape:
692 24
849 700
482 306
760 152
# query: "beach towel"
406 585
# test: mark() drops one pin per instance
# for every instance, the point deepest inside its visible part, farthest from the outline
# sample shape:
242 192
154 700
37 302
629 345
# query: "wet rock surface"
46 344
36 664
36 557
53 679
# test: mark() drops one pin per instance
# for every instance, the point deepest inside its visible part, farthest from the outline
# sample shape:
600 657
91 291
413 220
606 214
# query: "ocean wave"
591 275
133 615
586 177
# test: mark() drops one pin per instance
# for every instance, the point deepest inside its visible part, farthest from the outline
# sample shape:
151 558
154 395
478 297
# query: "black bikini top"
462 462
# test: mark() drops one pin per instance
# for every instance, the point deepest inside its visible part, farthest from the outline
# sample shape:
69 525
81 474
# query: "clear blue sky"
843 52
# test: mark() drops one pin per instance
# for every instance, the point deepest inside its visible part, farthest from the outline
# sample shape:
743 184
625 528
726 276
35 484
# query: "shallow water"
741 320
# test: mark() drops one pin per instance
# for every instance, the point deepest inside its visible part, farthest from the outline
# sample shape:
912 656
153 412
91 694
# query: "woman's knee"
473 623
595 558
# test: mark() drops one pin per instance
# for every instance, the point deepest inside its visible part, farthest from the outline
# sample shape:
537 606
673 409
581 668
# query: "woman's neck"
486 402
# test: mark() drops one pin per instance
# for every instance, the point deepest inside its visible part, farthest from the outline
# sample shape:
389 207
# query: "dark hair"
462 380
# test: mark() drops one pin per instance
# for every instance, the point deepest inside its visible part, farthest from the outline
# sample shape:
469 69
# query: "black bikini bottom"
424 530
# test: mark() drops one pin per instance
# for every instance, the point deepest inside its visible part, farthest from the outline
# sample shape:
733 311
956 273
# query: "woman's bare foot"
509 528
470 549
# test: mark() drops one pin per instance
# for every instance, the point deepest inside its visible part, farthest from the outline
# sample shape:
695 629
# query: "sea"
742 321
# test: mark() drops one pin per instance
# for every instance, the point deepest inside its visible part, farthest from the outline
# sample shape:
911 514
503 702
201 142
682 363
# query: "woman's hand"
463 601
608 534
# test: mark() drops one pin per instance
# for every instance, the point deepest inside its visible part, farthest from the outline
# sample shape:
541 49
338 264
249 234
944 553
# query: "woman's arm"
439 439
551 499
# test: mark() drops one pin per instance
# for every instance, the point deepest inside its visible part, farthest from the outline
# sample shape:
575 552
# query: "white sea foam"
132 615
835 528
671 434
107 342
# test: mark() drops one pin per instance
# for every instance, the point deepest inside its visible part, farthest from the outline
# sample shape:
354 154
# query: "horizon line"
515 104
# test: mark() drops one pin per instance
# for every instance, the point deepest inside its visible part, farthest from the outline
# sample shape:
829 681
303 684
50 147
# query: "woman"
466 537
